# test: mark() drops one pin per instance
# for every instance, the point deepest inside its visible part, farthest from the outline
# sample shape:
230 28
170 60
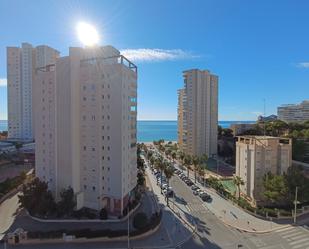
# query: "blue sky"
259 49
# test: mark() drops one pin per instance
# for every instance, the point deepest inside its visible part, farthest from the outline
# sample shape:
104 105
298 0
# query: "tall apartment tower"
180 117
85 127
258 155
21 64
198 113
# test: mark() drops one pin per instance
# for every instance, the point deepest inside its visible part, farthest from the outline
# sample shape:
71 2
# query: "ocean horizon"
150 130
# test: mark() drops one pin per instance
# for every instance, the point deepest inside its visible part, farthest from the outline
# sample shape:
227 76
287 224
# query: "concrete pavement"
8 210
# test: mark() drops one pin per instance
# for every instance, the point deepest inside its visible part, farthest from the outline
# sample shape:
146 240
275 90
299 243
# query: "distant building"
85 127
239 129
294 113
198 113
267 118
258 155
21 64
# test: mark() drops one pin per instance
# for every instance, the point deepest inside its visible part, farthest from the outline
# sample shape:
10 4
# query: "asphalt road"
212 233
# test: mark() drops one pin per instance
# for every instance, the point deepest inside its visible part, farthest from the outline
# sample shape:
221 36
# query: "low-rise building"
258 155
239 129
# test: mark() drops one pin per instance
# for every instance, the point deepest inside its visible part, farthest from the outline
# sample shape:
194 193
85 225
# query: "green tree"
275 188
238 182
187 163
103 214
174 156
67 202
168 172
298 150
160 165
295 178
36 198
195 162
140 179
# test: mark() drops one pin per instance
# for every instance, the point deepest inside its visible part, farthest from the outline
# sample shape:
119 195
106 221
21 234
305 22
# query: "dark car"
206 197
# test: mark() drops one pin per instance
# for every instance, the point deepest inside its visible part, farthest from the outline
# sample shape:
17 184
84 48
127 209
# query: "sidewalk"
232 215
175 219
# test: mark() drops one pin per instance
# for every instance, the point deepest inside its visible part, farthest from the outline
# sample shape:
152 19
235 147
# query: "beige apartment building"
294 113
21 64
258 155
198 113
180 117
239 129
85 127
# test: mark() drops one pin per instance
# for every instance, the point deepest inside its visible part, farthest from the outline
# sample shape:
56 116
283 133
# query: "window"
93 188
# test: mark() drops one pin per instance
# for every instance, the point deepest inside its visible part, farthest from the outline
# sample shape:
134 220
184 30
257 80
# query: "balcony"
119 59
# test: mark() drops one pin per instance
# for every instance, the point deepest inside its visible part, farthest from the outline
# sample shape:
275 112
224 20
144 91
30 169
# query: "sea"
148 131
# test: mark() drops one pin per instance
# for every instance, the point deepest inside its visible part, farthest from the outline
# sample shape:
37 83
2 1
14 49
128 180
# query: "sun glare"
87 34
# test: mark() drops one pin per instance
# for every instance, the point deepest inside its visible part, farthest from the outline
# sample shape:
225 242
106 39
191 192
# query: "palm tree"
152 161
203 161
161 165
168 152
168 172
195 162
201 172
182 157
174 155
187 163
238 181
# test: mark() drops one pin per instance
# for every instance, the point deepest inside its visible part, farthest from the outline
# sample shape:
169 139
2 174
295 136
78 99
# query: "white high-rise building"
21 64
294 113
85 127
198 109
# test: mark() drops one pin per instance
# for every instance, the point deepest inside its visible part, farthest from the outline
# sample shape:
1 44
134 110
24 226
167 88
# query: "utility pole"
264 127
295 204
129 221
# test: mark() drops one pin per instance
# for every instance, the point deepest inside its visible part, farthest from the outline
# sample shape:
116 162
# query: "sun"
87 34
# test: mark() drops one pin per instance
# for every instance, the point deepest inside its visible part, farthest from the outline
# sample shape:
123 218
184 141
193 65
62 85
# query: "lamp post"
129 220
295 204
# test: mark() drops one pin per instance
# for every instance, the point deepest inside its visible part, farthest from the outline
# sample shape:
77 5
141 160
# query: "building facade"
91 118
199 127
258 155
21 64
294 113
239 129
180 118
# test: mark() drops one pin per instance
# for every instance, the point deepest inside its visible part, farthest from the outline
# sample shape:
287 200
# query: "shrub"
140 220
103 214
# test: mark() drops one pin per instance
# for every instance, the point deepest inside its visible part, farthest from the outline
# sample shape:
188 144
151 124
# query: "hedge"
88 233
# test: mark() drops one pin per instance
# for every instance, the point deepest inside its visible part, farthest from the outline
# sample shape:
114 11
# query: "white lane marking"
291 234
284 230
299 246
299 241
299 237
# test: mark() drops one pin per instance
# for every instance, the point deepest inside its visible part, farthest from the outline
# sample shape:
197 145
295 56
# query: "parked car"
194 187
206 197
195 192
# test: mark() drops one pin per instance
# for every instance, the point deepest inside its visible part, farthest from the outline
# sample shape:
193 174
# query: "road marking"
290 234
284 230
299 246
299 241
299 237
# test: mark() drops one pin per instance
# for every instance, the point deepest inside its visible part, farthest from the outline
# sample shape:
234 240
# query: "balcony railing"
120 59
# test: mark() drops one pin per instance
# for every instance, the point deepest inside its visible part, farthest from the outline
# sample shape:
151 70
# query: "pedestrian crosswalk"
296 237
